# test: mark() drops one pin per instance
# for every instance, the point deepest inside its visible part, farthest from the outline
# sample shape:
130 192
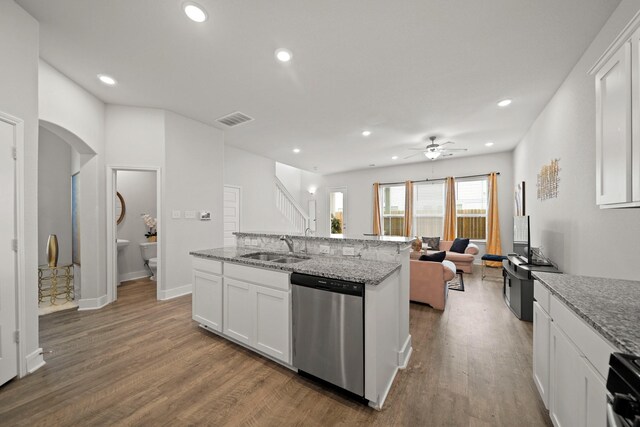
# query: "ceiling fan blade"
421 149
448 142
411 155
454 149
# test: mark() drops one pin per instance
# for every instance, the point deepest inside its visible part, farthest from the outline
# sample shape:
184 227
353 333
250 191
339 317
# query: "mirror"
121 208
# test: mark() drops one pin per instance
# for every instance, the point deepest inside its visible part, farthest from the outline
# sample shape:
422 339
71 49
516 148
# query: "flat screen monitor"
522 238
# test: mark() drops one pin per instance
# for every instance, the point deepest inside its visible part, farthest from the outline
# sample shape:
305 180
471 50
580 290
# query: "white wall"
291 177
138 189
54 195
78 116
134 136
19 98
573 231
360 189
193 180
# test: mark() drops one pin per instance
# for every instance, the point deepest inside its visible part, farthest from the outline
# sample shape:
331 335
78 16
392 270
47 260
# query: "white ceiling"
402 69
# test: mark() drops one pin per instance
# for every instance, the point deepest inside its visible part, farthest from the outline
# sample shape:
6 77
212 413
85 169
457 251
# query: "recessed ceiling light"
366 132
195 12
489 144
394 158
108 80
296 150
284 55
504 103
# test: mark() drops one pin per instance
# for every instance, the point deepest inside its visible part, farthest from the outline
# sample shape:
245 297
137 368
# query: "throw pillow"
459 245
432 242
437 257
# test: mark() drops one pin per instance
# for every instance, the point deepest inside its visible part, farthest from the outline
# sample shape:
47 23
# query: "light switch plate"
205 216
176 214
254 242
190 214
324 249
247 241
348 250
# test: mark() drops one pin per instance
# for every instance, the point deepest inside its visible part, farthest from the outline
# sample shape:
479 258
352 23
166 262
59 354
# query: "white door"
541 325
338 211
231 214
272 322
207 300
8 346
564 379
238 317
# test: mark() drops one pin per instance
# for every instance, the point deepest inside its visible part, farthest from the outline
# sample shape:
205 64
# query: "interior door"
8 345
231 214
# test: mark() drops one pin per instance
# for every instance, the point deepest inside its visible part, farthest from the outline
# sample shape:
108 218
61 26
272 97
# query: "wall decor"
121 208
75 218
548 180
519 199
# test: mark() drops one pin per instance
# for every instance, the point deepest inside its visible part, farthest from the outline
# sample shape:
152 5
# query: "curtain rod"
436 179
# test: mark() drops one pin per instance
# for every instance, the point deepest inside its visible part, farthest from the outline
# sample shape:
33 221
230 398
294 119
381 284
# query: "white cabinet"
564 379
206 296
592 403
618 124
541 331
238 314
258 316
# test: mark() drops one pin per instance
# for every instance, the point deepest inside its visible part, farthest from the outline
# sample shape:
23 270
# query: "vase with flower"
151 223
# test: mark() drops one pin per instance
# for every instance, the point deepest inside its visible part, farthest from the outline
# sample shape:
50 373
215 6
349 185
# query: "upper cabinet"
617 76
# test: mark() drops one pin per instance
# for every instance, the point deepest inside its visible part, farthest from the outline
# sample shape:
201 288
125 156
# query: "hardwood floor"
145 362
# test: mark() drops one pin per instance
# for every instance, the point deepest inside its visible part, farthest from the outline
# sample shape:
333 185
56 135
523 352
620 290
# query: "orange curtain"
376 209
449 232
494 246
408 207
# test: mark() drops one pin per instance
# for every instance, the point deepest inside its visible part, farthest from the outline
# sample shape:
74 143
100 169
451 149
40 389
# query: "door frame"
345 210
112 229
239 188
21 298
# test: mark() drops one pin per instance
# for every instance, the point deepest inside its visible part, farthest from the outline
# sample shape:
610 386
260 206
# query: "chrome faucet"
288 241
308 229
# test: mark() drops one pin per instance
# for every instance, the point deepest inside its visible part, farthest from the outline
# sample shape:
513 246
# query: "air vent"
234 119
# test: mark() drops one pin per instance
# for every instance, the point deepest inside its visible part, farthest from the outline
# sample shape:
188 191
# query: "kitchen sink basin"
279 258
263 256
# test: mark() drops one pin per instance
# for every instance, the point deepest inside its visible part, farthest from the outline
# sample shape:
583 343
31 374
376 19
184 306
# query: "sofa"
428 281
463 262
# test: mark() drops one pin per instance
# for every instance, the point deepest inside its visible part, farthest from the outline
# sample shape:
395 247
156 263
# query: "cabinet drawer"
261 276
541 294
207 265
595 348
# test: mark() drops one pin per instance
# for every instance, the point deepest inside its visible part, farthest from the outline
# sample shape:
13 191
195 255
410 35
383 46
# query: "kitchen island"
249 301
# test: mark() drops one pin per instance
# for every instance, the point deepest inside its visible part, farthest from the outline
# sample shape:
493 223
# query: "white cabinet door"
613 129
272 322
238 312
565 371
207 300
592 401
541 325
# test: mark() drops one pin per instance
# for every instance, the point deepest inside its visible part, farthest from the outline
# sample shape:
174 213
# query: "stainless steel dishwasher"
328 330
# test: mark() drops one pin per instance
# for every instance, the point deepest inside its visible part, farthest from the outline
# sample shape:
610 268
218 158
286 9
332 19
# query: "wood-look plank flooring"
145 362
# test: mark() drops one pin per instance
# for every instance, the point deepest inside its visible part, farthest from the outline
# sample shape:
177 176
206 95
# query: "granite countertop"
611 306
350 269
387 240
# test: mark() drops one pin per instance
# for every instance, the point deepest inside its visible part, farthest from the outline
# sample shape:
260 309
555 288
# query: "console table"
518 285
54 276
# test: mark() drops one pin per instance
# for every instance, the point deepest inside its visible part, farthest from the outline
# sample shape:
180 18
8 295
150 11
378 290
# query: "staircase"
291 210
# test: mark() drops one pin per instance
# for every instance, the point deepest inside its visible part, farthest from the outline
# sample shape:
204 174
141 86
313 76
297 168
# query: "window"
428 209
471 208
392 210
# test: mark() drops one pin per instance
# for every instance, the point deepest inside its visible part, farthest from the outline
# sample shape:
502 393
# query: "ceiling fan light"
432 155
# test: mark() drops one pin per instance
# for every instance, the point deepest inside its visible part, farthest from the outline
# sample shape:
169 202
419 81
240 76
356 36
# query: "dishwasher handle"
327 284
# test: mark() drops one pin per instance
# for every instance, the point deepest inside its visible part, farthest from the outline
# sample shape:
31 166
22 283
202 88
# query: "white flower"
150 221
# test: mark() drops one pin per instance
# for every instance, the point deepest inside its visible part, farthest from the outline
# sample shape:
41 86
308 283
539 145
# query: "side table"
55 276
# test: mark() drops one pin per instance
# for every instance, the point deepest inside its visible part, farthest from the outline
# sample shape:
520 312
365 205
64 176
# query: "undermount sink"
279 258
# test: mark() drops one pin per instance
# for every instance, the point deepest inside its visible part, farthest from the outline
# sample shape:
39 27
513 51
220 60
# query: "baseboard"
174 292
35 361
133 275
387 389
405 353
92 303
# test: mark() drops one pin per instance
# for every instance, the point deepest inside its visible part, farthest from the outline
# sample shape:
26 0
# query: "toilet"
149 252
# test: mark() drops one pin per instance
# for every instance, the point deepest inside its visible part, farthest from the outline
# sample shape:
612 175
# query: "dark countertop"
348 268
610 306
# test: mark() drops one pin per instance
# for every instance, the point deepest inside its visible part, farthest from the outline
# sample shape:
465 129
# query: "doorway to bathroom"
134 229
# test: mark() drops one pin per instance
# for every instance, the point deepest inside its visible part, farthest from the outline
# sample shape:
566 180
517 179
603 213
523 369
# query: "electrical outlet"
324 249
348 250
190 214
254 242
176 214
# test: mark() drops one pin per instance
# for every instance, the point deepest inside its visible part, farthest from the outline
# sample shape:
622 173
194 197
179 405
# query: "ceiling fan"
434 151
